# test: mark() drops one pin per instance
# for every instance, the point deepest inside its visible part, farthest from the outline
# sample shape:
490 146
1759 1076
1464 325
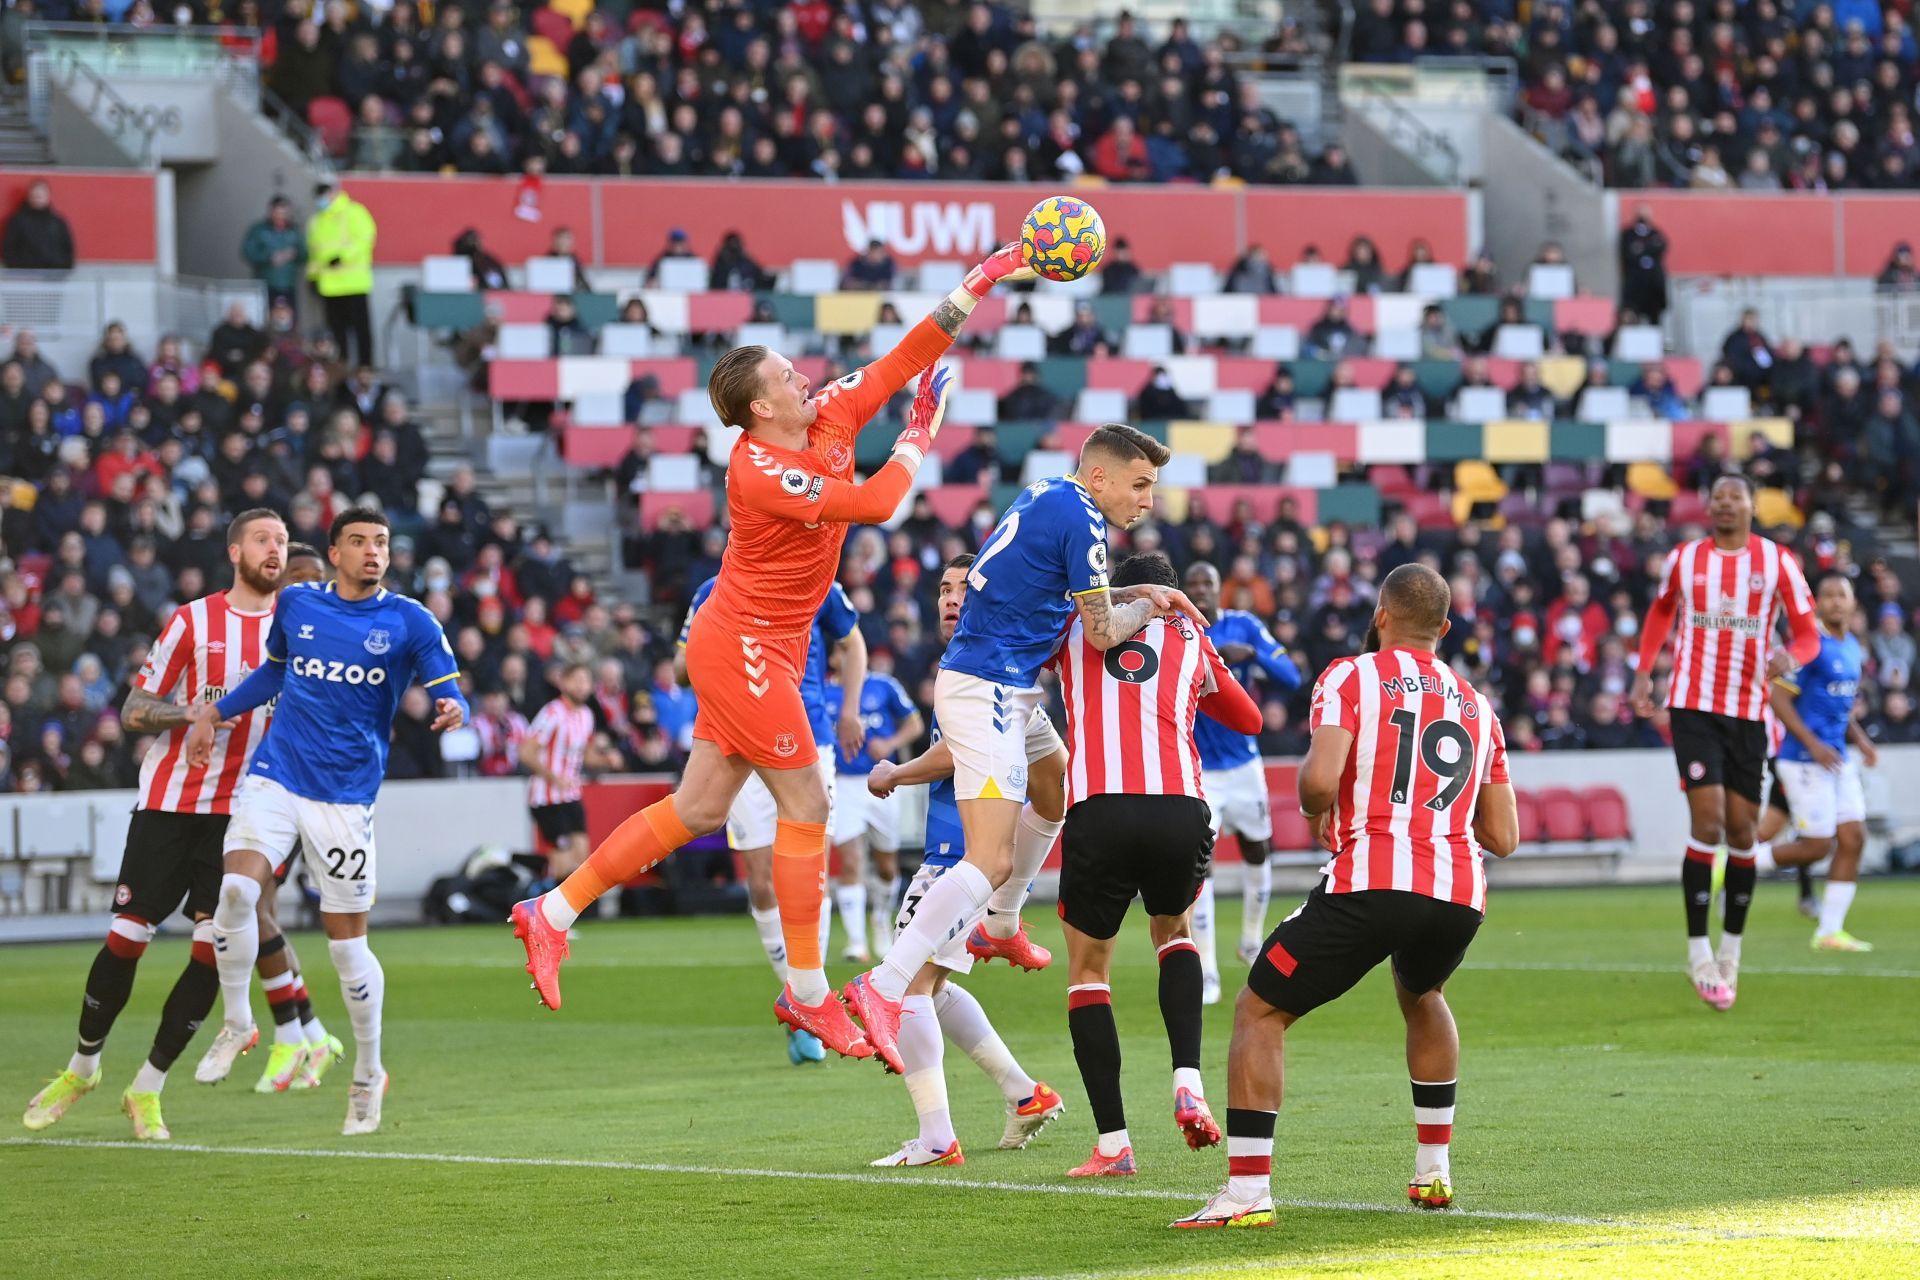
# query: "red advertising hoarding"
1791 234
114 216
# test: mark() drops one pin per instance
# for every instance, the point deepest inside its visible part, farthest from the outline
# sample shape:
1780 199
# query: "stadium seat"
1640 343
332 119
1726 404
1604 404
1227 315
1437 379
1480 404
1020 342
552 25
524 342
1639 441
1563 815
600 409
846 314
1043 464
1397 344
544 57
446 273
1094 405
813 276
1354 404
1519 342
1147 342
550 275
693 405
1563 375
1775 508
939 277
1230 406
1587 316
1777 432
1651 480
633 341
975 408
775 336
1435 280
1473 314
585 446
1313 280
1527 808
696 505
1310 469
673 472
1183 471
1550 280
681 275
1608 817
1192 279
1275 342
1516 440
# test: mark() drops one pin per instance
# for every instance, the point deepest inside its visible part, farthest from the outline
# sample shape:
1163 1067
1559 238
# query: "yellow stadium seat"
574 11
1170 505
1778 431
544 58
1475 483
1775 507
1211 440
845 314
1515 440
1563 375
1651 480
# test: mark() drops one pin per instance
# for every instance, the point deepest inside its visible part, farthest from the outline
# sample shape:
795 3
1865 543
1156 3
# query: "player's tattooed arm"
144 713
949 317
1111 623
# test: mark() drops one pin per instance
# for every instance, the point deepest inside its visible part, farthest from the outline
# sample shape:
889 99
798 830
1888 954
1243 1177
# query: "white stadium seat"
524 342
446 273
682 275
1479 404
633 341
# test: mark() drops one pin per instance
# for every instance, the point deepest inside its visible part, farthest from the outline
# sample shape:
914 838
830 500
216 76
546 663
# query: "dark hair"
1149 568
1417 597
1741 477
355 515
303 550
1831 575
1118 440
238 528
962 561
734 384
572 667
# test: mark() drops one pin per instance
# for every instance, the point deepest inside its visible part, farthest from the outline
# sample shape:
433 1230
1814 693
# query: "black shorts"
558 821
1777 791
1720 751
1335 939
1160 847
171 859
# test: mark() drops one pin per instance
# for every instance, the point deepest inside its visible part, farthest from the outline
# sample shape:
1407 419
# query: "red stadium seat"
1182 309
1291 834
1371 372
718 312
1607 814
1278 441
1563 815
696 505
1688 508
1686 374
554 25
332 119
592 446
1593 317
1242 373
1297 313
1688 435
988 373
509 306
674 373
1527 806
1116 373
953 504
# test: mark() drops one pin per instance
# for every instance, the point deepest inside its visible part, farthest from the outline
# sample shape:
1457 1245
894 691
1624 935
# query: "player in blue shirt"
939 1007
340 656
1045 561
1821 777
753 817
1232 773
866 827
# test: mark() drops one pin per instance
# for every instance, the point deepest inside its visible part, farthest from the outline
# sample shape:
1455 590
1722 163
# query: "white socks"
772 941
1833 907
1203 929
1256 889
559 912
1032 842
1763 858
149 1079
236 945
1112 1144
881 897
926 1076
84 1064
851 900
1258 1153
965 1023
957 894
1188 1078
364 986
1729 948
1699 951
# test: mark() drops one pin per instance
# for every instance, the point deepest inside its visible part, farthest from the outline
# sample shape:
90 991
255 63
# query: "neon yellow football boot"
283 1065
144 1110
320 1056
61 1092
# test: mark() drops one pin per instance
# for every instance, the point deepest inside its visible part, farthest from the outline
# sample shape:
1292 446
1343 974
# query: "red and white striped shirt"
563 733
1130 710
1725 605
206 649
1424 742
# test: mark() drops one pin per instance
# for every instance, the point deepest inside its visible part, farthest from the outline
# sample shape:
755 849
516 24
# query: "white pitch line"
882 1180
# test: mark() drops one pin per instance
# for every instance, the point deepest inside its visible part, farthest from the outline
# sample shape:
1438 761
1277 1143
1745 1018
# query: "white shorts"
270 819
858 812
1822 800
951 954
1237 798
753 817
994 732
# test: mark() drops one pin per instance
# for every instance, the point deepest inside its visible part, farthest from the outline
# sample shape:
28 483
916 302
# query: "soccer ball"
1063 238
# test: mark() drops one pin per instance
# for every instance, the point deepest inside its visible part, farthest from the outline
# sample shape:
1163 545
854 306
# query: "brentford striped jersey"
563 733
1424 742
206 649
1726 604
1130 710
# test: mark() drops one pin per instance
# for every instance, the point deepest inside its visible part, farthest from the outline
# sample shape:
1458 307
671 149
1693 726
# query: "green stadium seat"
1312 379
1540 311
1017 440
1438 379
1003 494
1065 376
1357 504
597 309
455 311
1114 311
1454 441
1472 314
792 310
1577 441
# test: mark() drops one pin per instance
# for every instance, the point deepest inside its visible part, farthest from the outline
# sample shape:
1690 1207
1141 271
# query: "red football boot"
1020 951
546 949
881 1017
827 1022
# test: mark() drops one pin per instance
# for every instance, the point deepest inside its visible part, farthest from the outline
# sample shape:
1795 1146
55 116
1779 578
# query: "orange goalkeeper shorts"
749 693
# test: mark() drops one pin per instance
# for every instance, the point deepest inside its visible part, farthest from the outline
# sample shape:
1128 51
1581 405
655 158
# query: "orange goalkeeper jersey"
784 552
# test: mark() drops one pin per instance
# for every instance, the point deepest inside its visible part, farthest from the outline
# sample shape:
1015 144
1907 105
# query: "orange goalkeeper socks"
800 885
636 844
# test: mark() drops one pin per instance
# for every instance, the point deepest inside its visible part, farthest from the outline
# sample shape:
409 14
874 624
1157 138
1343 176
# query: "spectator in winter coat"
36 237
276 249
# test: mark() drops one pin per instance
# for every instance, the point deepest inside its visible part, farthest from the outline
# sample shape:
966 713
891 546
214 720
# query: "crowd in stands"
936 89
1751 95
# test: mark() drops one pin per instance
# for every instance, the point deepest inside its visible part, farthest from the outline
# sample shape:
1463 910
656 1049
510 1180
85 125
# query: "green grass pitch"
1609 1123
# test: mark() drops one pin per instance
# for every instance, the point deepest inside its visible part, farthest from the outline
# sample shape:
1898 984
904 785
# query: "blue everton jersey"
884 707
1220 747
835 619
1824 690
1050 547
348 662
946 842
